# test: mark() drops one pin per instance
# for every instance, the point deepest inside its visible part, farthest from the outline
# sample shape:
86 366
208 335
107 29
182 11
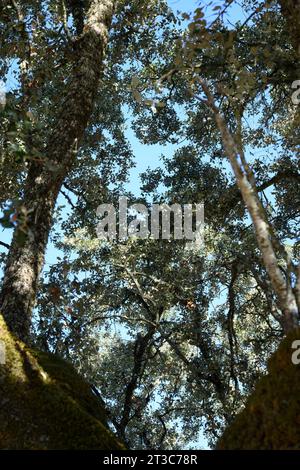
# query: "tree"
45 177
192 330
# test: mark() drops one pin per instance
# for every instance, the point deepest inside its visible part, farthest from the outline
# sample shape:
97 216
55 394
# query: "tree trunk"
44 180
287 298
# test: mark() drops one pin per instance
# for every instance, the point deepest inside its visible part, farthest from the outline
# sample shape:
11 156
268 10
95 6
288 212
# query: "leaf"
135 82
137 96
148 102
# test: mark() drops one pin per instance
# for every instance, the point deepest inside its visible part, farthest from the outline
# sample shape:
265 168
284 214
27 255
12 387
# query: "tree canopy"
172 336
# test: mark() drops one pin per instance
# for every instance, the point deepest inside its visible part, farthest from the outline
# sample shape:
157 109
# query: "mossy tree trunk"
44 179
45 404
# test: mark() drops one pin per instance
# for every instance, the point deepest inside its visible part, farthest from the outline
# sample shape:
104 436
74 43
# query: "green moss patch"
45 404
271 417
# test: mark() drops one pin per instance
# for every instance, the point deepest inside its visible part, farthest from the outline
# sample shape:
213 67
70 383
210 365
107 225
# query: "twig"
5 245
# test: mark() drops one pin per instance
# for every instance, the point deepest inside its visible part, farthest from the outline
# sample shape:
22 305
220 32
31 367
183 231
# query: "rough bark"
44 179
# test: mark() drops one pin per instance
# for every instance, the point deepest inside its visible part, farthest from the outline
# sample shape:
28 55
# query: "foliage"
173 338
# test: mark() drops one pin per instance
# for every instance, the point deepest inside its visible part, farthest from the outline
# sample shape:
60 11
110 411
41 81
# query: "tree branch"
5 245
263 230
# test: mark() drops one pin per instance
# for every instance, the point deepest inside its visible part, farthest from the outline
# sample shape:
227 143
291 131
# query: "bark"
140 360
45 179
264 236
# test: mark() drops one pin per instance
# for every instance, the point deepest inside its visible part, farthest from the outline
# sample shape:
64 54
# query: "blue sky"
145 155
148 156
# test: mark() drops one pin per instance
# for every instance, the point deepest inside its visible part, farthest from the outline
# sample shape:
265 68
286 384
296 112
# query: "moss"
271 417
45 404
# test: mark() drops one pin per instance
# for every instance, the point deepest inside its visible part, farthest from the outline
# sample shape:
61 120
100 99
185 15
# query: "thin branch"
65 22
5 245
141 345
263 230
76 193
68 199
230 317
